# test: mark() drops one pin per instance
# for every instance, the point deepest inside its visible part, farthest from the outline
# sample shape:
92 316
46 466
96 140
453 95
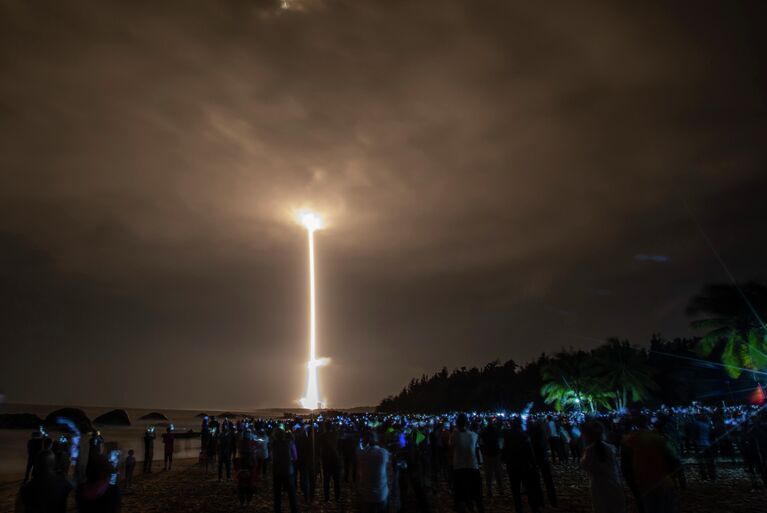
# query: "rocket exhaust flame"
312 222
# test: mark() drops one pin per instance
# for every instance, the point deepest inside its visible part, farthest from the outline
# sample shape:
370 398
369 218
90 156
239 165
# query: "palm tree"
622 368
733 324
569 382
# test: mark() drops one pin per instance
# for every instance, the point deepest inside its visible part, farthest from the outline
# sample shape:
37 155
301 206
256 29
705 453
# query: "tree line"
723 360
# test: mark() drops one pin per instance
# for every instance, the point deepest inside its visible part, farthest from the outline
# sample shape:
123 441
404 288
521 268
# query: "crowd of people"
394 462
56 470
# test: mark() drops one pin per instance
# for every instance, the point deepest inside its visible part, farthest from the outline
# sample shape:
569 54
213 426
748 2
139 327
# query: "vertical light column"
311 401
312 387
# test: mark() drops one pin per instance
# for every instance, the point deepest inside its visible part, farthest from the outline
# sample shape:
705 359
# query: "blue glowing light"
525 414
114 459
74 449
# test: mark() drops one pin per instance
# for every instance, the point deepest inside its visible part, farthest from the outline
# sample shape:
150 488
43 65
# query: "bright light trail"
705 363
312 222
711 246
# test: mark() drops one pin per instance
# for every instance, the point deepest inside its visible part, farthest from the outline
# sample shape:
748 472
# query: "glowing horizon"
312 222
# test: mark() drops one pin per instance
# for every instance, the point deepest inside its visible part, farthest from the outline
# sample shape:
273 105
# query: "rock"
117 417
76 415
183 435
154 416
20 421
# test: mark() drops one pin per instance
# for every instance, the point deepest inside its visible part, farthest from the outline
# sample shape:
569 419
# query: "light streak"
74 449
312 222
114 459
706 363
525 415
726 268
717 393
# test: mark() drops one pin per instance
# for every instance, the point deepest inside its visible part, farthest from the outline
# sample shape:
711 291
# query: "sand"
186 489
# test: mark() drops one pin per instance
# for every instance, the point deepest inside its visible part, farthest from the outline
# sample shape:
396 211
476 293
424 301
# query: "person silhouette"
168 440
47 491
149 436
34 447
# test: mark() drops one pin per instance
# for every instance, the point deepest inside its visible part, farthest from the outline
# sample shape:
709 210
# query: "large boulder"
75 415
117 417
20 421
153 416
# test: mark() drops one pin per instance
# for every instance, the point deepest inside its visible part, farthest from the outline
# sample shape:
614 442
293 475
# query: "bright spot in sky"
310 220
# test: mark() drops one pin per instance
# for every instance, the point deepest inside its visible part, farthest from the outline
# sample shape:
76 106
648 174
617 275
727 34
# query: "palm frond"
710 324
731 358
707 344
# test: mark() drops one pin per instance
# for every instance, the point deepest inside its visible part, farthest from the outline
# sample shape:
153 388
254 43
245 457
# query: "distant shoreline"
42 409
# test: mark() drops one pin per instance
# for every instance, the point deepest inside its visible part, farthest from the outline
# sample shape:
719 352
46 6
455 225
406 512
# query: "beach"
186 489
13 441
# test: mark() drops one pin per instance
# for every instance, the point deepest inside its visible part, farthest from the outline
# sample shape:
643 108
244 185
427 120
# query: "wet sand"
186 489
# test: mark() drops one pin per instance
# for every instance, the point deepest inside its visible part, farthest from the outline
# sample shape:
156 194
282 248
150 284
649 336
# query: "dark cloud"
492 172
658 259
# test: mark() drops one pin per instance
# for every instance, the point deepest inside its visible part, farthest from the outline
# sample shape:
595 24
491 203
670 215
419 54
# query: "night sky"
499 180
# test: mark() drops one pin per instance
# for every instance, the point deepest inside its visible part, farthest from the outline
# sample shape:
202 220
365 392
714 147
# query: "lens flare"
312 222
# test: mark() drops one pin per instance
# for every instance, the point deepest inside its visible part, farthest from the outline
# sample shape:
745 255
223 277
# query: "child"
130 463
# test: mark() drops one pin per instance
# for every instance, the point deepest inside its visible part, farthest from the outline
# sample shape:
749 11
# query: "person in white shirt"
601 464
372 477
466 477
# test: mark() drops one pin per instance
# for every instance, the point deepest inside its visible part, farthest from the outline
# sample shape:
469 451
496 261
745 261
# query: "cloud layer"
489 170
